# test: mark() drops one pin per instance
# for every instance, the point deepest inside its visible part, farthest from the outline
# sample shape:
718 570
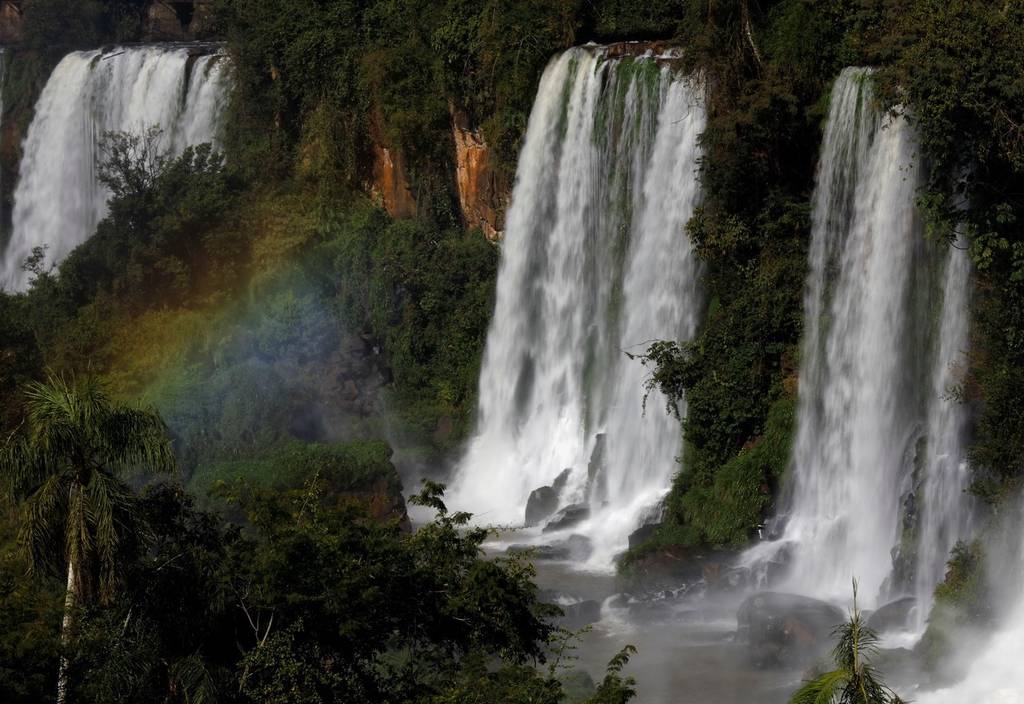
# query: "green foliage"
855 680
68 471
961 69
61 25
29 620
153 241
352 466
634 19
425 295
20 359
728 506
962 600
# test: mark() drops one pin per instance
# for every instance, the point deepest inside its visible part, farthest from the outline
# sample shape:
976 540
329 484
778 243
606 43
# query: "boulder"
541 504
650 520
670 567
579 614
783 629
595 467
568 517
894 616
575 547
561 480
641 534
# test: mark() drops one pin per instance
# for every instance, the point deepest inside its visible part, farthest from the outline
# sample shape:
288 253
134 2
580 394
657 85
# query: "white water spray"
595 263
59 200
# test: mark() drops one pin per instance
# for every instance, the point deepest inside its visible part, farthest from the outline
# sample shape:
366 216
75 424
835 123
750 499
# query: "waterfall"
595 264
3 89
945 507
877 468
59 200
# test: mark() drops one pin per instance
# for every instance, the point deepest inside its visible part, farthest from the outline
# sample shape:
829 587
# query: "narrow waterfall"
595 264
945 507
877 472
58 200
3 89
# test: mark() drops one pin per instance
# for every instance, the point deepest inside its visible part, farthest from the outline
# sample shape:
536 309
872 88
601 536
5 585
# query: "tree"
854 681
69 471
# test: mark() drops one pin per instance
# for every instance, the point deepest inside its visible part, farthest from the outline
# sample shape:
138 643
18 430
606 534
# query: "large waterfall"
595 264
58 199
877 473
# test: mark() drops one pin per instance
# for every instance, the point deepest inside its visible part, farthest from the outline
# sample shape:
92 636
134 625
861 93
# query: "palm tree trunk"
70 597
70 602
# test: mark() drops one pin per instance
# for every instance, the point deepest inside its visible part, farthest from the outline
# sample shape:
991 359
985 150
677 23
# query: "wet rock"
642 534
580 614
669 567
541 504
568 517
783 629
894 616
576 548
722 579
595 467
561 480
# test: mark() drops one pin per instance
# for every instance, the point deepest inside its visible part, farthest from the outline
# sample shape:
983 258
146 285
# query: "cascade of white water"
58 199
3 85
878 456
595 263
945 507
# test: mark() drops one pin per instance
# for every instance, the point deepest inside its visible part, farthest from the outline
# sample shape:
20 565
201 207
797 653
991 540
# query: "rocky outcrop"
383 501
576 548
389 182
10 21
894 616
672 566
483 194
163 20
540 505
543 502
568 517
178 20
782 629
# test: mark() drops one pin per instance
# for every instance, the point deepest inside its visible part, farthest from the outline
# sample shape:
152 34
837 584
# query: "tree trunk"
65 634
70 603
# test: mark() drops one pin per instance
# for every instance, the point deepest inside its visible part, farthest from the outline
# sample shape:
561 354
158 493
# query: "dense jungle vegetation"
242 294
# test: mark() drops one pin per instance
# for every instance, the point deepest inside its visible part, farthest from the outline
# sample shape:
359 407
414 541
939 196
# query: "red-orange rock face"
482 194
390 185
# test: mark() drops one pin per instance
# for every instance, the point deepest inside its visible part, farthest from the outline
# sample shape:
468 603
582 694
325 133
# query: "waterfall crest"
877 472
595 263
59 200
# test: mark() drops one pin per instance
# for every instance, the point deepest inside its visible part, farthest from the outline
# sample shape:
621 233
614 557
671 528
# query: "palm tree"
67 469
854 681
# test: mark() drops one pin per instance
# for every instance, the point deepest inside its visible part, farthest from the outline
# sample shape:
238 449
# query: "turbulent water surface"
595 264
58 199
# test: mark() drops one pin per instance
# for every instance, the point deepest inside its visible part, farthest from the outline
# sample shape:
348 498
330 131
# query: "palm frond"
826 689
40 532
137 439
112 514
197 683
